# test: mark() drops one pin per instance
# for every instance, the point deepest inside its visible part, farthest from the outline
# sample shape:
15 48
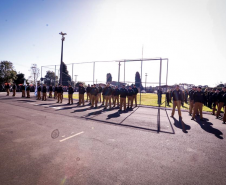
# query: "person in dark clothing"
112 95
50 91
210 101
104 94
177 97
123 93
94 94
70 94
81 91
7 89
215 100
28 89
191 100
186 96
23 91
135 90
108 95
183 98
220 101
44 92
14 89
55 92
39 92
59 93
130 94
224 117
99 93
116 96
168 97
199 99
88 90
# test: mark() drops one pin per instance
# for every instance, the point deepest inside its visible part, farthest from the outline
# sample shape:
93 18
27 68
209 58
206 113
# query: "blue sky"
191 33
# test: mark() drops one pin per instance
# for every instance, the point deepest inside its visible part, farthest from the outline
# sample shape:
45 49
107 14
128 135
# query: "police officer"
210 102
123 93
99 93
7 89
39 92
130 95
177 97
214 99
168 97
224 117
112 94
50 91
14 89
70 94
104 94
88 90
81 91
220 101
191 100
59 93
186 96
199 99
94 94
135 90
108 95
55 92
28 90
44 92
23 91
116 96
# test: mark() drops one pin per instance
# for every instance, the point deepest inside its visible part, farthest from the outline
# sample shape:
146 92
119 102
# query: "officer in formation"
94 96
59 93
116 93
55 92
104 95
81 91
177 98
23 91
44 92
28 89
70 94
88 90
14 89
7 89
135 90
108 94
123 94
39 92
50 91
191 99
99 93
220 101
130 94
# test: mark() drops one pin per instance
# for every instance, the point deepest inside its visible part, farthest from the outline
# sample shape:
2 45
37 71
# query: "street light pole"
61 62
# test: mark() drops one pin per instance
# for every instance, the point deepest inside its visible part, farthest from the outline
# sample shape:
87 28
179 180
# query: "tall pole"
160 75
61 61
141 75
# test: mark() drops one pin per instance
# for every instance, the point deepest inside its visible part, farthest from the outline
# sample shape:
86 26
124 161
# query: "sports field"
148 99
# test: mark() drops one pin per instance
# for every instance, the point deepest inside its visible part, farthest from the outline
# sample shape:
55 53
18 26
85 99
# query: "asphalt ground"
47 143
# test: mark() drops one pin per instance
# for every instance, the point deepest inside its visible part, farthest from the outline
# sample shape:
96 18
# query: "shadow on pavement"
207 126
181 124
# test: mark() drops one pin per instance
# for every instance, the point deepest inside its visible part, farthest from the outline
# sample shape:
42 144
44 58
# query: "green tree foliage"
20 79
50 76
7 72
109 77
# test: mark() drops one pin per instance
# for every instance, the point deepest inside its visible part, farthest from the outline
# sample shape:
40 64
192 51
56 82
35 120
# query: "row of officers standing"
214 98
108 96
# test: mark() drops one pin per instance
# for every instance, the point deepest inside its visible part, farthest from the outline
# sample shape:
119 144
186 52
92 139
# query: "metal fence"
153 72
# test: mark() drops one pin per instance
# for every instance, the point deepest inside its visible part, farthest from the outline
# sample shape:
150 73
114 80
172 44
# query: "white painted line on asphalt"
56 107
71 136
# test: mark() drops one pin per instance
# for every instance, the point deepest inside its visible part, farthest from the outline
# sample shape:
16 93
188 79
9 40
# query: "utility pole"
61 62
145 80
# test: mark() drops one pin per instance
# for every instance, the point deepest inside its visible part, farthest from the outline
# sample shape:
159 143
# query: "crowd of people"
213 98
111 96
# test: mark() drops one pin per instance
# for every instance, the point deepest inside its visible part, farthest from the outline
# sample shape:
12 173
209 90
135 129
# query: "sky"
190 33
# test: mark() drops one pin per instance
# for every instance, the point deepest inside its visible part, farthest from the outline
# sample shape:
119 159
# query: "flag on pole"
36 89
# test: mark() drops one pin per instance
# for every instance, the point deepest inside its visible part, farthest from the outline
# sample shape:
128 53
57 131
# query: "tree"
66 78
138 80
50 77
35 72
20 79
109 77
7 72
